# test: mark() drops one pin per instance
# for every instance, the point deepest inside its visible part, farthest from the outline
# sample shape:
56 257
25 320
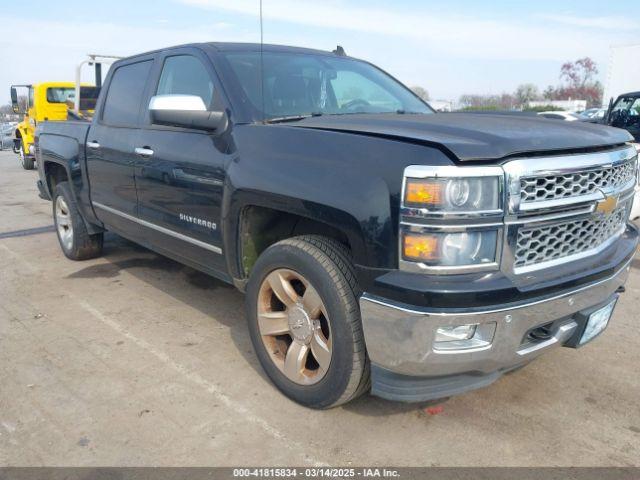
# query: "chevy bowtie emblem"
608 205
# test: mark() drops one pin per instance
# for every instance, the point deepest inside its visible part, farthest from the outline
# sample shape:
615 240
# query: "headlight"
450 249
451 218
461 194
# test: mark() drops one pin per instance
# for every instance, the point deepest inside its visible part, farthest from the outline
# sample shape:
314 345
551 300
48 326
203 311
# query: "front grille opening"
543 332
554 187
537 245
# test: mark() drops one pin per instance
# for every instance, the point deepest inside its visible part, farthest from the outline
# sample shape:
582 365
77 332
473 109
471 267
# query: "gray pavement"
133 359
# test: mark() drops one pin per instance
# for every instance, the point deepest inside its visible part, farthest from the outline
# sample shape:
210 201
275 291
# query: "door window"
185 75
125 93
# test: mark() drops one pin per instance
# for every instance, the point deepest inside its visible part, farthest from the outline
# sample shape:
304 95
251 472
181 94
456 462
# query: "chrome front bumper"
400 339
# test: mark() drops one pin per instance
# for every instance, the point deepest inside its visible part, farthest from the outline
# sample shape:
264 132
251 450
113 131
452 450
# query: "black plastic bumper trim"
403 388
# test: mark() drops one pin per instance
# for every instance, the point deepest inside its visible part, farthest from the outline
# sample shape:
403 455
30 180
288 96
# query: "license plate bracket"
591 323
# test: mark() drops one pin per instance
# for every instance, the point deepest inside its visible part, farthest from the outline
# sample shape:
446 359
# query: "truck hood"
473 137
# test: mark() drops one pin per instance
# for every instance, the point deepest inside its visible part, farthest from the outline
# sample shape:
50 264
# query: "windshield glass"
305 84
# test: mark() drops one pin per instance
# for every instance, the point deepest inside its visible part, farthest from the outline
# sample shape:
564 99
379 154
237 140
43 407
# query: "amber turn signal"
420 247
423 192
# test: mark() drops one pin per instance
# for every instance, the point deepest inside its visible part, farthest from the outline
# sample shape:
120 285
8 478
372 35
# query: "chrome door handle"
94 145
143 152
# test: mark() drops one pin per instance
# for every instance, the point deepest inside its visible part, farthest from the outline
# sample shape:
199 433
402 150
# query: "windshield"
306 84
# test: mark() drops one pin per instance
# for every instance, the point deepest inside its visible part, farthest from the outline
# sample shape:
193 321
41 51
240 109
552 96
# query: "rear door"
180 178
110 144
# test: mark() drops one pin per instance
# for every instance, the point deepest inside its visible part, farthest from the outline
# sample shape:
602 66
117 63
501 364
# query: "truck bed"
62 138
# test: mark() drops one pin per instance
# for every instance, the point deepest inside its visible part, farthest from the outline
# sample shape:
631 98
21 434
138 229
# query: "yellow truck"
48 101
51 102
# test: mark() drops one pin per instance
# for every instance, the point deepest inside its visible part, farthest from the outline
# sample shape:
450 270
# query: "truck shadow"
218 301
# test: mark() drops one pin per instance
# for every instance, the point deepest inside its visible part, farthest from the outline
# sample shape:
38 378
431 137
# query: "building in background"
623 71
567 105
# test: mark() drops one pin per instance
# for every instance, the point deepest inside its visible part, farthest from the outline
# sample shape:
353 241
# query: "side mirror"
15 106
188 111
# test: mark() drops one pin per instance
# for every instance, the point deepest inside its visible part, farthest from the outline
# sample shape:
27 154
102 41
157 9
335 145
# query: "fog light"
464 337
32 150
455 332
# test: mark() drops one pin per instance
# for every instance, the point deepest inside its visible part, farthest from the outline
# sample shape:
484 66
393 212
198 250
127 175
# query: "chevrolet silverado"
382 247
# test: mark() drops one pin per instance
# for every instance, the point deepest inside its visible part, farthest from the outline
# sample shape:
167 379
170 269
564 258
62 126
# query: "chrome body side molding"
158 228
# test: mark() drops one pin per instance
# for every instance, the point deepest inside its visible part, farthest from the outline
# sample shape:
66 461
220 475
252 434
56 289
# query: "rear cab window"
61 94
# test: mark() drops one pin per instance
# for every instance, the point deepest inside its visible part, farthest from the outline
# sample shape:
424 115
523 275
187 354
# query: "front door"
180 172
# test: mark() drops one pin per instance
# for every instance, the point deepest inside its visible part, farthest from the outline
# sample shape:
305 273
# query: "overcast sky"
448 47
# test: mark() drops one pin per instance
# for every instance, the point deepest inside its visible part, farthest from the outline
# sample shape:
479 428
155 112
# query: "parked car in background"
625 113
593 115
566 116
6 135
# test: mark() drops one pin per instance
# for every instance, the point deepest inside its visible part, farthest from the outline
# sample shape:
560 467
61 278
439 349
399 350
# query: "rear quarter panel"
63 143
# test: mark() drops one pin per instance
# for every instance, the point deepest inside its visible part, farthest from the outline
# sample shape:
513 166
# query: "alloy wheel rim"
294 326
63 223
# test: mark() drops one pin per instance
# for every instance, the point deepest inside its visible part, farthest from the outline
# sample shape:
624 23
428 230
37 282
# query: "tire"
332 320
75 241
27 162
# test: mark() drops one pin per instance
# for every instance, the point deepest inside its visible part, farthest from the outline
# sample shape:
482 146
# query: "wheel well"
261 227
54 173
18 134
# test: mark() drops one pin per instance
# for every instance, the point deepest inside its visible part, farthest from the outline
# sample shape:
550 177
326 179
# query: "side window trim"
202 64
142 106
219 94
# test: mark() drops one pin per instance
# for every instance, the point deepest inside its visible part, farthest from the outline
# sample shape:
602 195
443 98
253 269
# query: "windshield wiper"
292 118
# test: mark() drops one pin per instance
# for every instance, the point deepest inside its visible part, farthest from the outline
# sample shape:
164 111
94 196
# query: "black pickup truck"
625 113
382 247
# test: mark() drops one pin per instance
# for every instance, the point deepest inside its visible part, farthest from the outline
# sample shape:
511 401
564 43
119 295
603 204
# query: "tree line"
577 82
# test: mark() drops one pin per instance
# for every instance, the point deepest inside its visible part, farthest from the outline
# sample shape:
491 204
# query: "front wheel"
304 321
27 162
75 241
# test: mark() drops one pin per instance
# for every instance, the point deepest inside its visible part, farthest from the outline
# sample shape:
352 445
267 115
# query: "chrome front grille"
555 208
567 240
554 187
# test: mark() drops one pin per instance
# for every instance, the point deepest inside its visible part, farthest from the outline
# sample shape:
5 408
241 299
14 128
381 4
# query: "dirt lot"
133 359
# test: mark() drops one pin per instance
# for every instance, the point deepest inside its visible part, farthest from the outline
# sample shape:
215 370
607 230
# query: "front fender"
25 134
351 182
240 199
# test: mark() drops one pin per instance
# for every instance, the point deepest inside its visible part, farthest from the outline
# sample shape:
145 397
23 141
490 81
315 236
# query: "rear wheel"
305 323
27 162
75 241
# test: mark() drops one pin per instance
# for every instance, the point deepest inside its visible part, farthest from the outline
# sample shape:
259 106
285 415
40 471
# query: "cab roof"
630 94
240 47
